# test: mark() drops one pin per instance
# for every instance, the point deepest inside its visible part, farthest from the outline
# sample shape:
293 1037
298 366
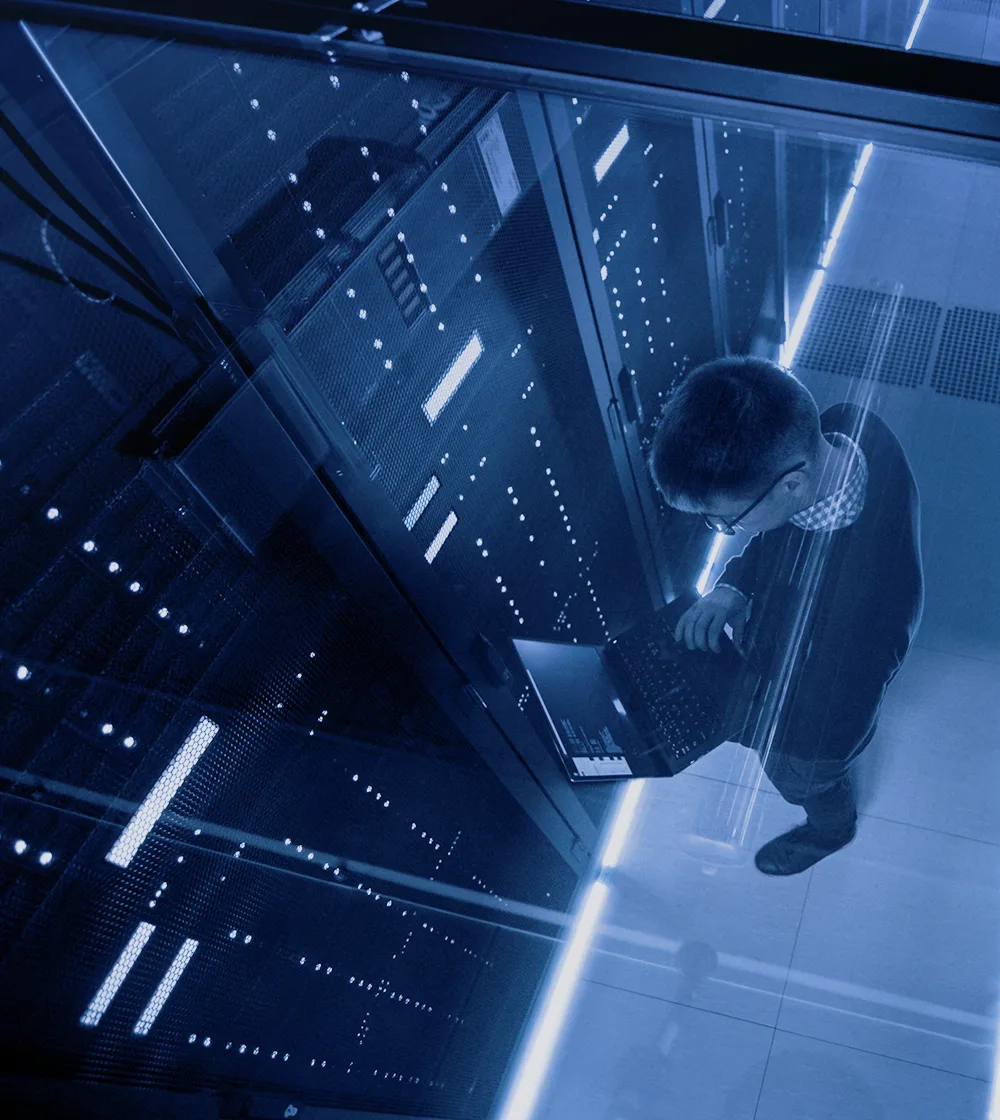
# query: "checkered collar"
843 508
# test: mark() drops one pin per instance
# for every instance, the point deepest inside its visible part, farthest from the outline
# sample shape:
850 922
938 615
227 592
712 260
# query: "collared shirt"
837 510
843 508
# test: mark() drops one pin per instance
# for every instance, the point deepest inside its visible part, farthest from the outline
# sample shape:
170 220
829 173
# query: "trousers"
821 786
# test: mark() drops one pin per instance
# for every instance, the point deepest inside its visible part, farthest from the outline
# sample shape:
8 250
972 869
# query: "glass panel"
243 845
963 28
735 939
745 205
458 317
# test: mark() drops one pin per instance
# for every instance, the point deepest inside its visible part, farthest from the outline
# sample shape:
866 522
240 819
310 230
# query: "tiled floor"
866 988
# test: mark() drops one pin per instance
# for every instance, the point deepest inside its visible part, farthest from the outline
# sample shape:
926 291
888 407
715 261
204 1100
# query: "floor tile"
811 1080
897 951
935 761
628 1056
690 918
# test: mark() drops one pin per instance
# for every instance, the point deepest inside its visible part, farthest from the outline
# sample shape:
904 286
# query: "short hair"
729 428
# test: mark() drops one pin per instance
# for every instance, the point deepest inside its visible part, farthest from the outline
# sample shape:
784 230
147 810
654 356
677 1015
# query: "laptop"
640 706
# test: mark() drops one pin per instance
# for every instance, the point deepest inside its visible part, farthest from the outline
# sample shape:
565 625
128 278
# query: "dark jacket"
833 612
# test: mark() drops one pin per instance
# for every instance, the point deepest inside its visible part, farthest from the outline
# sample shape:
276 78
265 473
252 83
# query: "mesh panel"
527 502
286 152
843 327
968 359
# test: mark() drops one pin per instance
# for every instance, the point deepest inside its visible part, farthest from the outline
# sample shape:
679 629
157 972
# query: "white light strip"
627 805
714 8
859 171
422 502
916 25
165 987
159 797
611 152
713 555
539 1045
116 977
994 1109
838 226
802 319
456 374
791 345
441 536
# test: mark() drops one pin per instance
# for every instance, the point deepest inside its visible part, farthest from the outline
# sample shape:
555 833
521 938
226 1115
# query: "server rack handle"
629 396
718 222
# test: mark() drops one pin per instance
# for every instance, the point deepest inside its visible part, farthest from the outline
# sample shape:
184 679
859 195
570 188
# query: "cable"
72 201
67 230
81 285
59 268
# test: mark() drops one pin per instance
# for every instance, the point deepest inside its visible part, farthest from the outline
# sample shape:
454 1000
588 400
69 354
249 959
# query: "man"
826 598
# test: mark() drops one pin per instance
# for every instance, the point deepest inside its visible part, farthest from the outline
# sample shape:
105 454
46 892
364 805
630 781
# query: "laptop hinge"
491 662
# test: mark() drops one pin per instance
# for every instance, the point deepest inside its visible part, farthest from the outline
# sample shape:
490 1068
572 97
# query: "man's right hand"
700 626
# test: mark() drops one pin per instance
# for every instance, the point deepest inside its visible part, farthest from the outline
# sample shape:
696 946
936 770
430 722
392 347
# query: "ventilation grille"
403 280
968 359
843 326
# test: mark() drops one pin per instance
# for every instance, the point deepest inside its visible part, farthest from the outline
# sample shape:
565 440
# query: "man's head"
727 434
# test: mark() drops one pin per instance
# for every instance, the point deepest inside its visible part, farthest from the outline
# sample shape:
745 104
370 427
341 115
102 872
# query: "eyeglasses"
717 525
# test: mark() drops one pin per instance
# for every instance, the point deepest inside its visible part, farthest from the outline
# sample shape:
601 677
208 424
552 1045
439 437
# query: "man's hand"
700 626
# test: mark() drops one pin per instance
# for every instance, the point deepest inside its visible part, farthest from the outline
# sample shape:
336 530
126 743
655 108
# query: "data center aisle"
865 988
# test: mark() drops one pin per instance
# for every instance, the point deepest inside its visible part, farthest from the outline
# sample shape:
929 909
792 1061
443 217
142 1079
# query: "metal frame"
845 81
781 278
737 95
723 44
715 253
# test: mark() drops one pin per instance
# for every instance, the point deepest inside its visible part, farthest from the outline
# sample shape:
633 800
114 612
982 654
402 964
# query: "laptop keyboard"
661 673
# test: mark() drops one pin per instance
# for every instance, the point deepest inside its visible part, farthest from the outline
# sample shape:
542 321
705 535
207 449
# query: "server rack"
237 521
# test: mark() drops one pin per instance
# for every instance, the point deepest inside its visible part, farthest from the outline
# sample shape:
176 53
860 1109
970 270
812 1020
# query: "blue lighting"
165 987
791 346
554 1006
159 797
611 152
116 977
455 375
916 25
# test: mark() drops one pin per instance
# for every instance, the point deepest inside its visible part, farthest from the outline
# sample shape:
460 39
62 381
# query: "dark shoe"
797 850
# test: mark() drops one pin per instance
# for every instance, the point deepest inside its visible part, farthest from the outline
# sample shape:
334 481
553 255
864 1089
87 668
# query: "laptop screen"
588 721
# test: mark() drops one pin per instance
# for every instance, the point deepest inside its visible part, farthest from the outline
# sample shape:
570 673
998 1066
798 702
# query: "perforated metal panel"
224 913
488 392
968 359
845 323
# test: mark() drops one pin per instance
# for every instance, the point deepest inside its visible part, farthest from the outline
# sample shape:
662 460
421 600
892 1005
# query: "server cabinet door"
389 234
743 162
250 840
636 185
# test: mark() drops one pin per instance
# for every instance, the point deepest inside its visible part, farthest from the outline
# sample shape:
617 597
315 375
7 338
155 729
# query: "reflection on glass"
964 28
812 996
511 350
